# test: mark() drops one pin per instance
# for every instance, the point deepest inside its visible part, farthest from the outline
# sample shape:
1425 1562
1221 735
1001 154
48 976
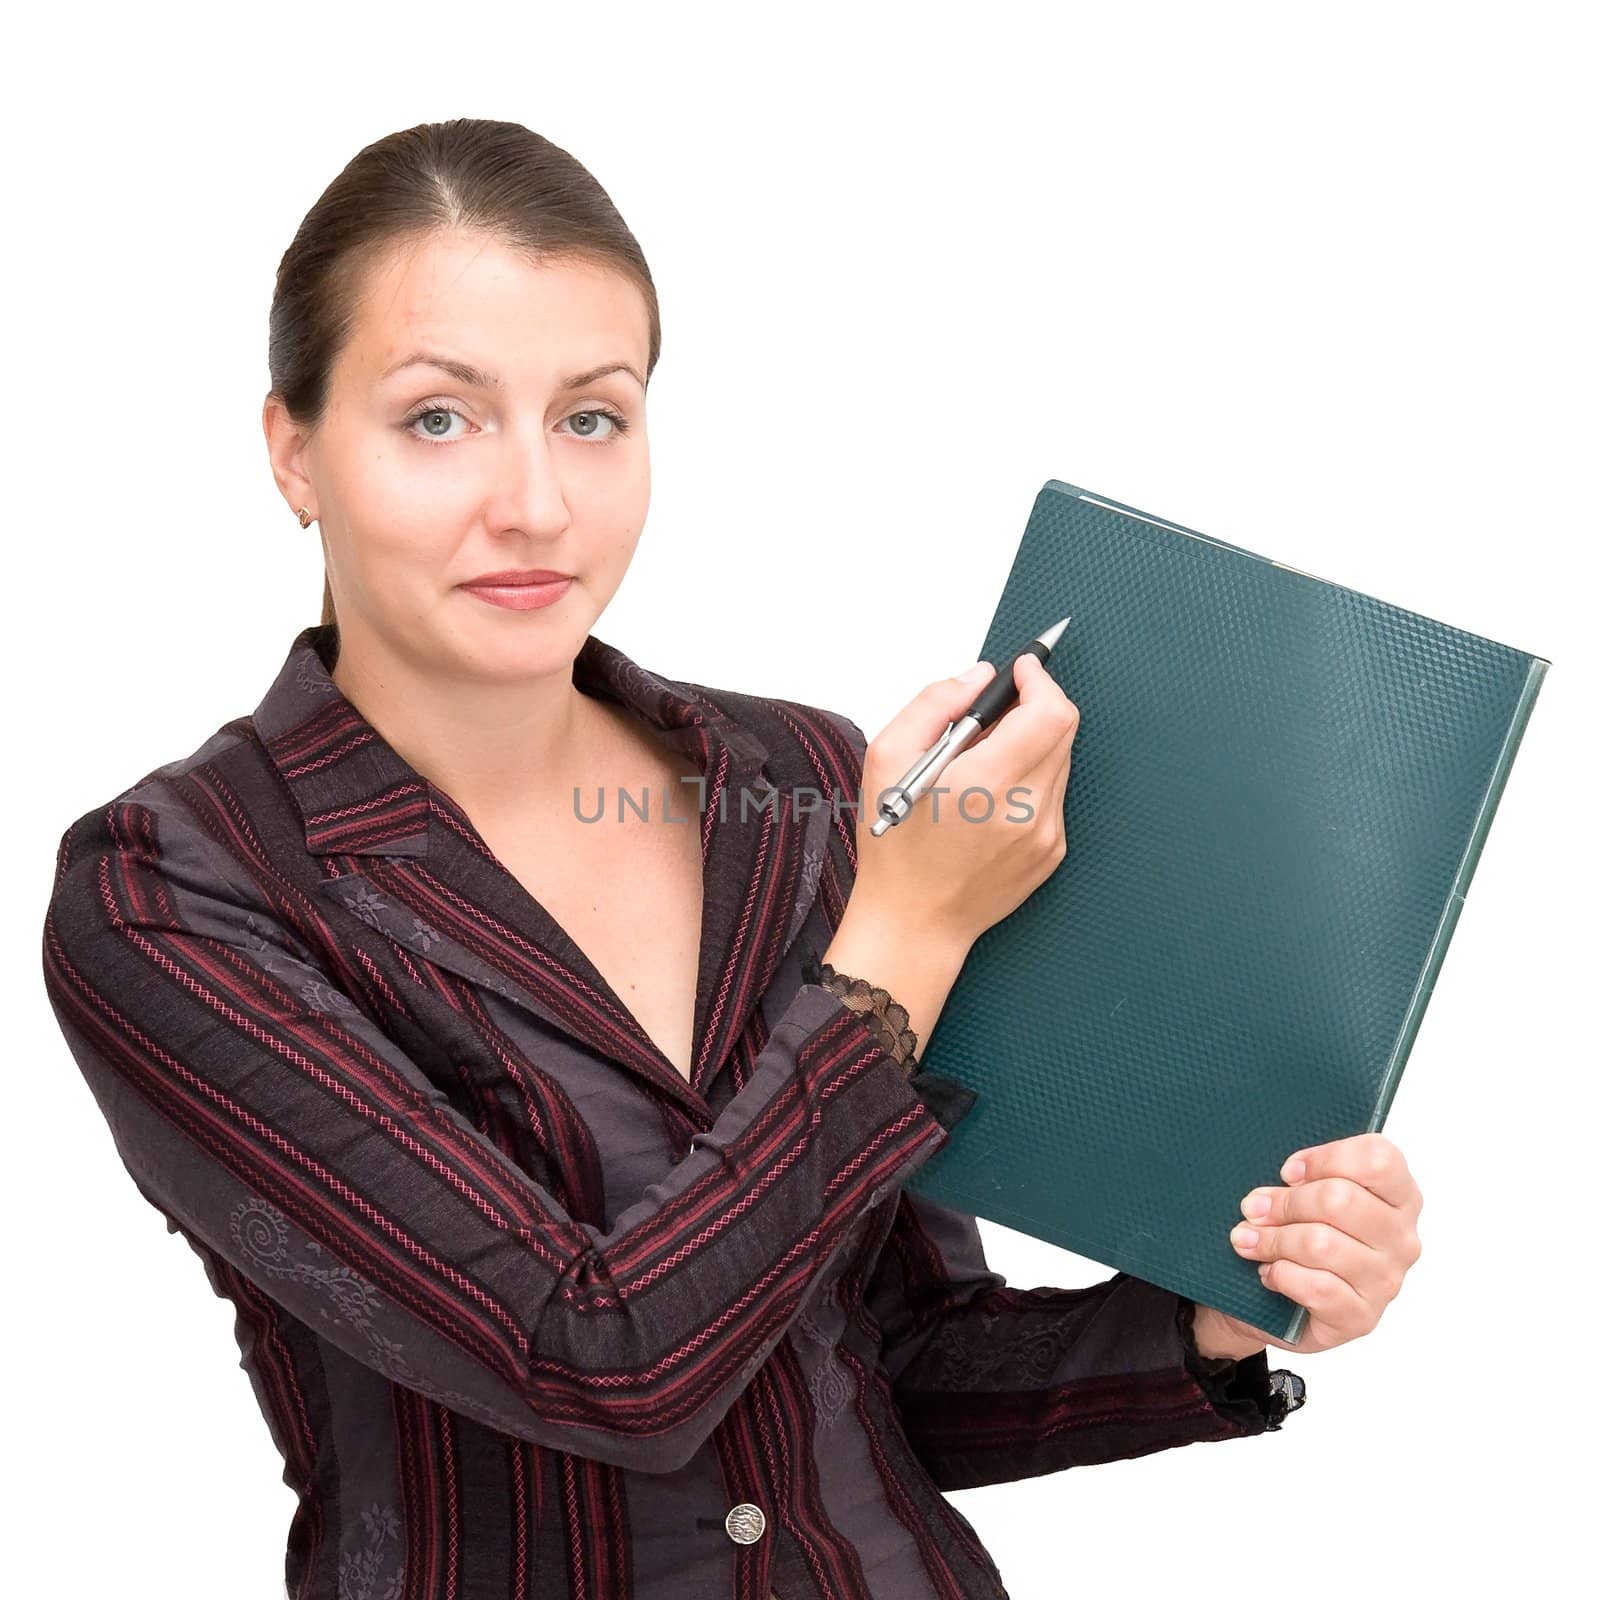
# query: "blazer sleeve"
994 1384
274 1123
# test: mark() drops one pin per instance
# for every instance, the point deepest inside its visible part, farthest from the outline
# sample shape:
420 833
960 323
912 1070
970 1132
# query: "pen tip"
1050 635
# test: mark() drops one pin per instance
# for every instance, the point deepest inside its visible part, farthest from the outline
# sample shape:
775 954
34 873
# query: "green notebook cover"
1279 791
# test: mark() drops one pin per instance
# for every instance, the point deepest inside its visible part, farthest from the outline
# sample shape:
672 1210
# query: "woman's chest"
631 902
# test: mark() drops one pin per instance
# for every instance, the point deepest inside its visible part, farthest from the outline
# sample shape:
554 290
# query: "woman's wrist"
918 967
1217 1337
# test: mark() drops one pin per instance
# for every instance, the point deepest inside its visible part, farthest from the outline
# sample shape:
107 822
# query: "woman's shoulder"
168 819
214 747
804 742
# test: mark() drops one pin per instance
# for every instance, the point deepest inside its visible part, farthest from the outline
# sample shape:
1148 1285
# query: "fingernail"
973 673
1293 1171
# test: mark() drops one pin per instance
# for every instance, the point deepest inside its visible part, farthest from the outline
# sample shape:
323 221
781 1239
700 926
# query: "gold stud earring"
304 516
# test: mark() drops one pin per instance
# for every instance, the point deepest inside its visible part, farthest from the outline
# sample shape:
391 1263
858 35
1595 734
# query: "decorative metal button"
745 1523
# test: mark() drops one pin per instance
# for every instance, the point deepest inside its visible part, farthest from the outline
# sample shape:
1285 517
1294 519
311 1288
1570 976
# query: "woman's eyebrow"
477 378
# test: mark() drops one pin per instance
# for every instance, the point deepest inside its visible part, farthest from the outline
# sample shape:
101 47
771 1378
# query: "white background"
1314 280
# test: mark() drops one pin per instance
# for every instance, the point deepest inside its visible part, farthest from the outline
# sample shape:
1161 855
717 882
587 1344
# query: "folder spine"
1412 1021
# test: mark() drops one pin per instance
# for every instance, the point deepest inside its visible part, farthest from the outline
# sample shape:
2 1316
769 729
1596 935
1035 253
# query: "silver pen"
994 700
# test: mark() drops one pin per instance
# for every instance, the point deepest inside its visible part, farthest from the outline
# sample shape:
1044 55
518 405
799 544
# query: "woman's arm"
263 1112
994 1384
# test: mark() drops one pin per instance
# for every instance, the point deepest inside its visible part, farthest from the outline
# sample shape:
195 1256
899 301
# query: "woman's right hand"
954 875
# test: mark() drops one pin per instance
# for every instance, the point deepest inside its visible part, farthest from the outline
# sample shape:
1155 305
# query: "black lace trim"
947 1099
884 1016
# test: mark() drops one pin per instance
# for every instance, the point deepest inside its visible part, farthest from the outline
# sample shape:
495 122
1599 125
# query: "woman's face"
424 479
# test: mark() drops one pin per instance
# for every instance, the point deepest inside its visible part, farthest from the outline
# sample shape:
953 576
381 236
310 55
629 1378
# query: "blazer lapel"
405 857
760 859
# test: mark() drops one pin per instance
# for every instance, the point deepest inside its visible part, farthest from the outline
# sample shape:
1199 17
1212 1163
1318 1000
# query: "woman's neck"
501 751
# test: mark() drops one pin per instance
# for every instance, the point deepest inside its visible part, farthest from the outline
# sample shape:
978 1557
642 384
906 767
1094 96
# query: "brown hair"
467 173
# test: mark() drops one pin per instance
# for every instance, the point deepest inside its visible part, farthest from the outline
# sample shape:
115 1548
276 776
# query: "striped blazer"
528 1312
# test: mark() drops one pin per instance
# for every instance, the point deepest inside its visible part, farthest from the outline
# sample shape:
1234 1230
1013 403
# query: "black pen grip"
1000 693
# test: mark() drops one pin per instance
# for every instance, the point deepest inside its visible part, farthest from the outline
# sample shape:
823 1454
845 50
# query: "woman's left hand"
1338 1239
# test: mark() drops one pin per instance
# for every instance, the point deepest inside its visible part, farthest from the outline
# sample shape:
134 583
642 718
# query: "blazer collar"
400 852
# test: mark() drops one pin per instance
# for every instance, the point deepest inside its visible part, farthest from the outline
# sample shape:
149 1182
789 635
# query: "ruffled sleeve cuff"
948 1099
1244 1390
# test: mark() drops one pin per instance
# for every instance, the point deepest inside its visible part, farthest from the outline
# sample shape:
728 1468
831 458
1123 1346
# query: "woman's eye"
585 423
436 420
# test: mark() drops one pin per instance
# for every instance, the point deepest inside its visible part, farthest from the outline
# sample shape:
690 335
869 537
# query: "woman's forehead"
471 298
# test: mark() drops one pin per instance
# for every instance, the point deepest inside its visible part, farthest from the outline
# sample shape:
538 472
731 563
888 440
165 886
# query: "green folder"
1279 791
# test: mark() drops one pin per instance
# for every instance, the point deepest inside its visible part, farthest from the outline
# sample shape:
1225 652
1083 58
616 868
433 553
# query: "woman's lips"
520 596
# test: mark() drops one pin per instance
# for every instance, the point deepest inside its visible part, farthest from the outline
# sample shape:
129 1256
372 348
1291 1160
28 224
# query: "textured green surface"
1279 791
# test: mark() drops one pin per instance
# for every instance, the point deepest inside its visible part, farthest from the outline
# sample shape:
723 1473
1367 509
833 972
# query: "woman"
557 1186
